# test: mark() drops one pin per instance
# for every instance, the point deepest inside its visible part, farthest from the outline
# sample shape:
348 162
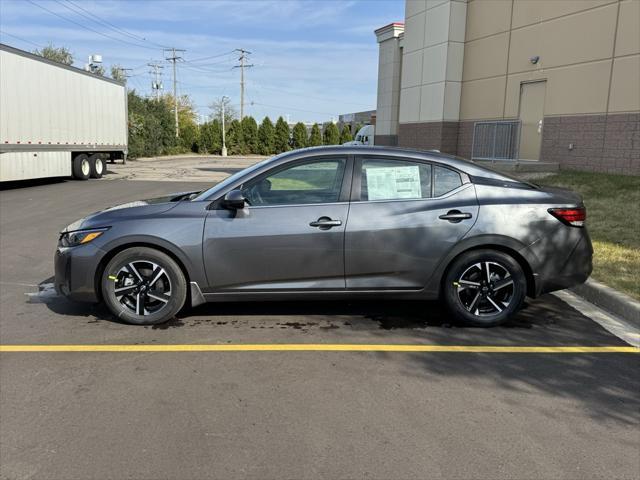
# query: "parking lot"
267 412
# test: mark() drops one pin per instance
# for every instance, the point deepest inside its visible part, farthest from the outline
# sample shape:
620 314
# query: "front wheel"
143 286
484 287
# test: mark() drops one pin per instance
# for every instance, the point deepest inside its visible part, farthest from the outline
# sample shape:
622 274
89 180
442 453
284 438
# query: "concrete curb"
611 300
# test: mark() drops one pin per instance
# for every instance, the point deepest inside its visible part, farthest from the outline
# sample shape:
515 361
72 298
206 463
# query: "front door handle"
455 216
325 223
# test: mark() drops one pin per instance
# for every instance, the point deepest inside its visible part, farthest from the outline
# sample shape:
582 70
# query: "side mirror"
234 200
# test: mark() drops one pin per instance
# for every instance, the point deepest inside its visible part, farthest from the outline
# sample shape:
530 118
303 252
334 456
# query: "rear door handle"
455 216
325 223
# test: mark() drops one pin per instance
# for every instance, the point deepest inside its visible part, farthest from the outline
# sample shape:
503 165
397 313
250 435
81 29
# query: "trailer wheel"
96 165
81 167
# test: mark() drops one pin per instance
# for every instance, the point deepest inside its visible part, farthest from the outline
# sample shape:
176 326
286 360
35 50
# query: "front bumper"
75 272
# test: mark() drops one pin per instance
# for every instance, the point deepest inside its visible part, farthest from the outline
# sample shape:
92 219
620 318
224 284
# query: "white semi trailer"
57 120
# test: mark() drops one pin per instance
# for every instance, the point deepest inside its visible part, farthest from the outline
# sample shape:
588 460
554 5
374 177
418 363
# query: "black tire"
97 166
483 299
170 286
81 167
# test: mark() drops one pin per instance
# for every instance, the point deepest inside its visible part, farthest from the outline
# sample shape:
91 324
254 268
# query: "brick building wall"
441 136
386 140
601 143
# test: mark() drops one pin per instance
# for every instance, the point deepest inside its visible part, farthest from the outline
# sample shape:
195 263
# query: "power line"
114 27
218 85
206 64
86 27
20 38
207 70
242 66
210 57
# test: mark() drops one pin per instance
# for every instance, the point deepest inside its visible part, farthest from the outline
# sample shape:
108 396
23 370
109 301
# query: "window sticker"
393 182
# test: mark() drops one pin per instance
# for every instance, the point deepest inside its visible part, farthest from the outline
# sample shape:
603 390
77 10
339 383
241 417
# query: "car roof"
459 163
465 166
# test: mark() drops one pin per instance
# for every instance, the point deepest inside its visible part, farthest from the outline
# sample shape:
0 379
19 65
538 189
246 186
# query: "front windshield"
231 179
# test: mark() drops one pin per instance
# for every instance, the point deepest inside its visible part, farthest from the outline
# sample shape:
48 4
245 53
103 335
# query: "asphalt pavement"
292 414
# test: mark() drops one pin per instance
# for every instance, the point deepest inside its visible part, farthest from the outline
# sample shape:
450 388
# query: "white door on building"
531 119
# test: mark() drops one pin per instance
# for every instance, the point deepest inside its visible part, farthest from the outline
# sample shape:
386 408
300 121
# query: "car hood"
135 209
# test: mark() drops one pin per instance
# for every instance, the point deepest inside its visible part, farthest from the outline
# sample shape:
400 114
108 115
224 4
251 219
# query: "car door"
405 215
289 237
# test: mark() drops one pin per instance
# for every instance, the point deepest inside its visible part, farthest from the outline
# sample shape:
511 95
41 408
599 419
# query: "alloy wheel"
485 288
143 287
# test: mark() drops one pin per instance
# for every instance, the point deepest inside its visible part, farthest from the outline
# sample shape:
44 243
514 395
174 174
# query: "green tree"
117 73
187 122
56 54
266 137
250 134
235 139
230 112
299 135
151 126
315 139
356 129
190 136
211 136
331 134
345 135
282 136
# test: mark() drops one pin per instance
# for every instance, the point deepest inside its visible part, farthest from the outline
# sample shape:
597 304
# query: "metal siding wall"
21 165
44 103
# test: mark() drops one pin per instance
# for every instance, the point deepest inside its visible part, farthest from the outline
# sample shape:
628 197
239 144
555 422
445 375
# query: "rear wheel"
143 286
81 167
484 287
96 165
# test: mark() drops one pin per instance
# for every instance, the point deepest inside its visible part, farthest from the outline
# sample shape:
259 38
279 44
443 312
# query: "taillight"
574 217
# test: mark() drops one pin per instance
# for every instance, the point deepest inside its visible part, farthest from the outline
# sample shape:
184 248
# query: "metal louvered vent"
496 140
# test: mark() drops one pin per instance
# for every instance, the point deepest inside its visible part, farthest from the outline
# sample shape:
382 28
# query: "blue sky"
312 59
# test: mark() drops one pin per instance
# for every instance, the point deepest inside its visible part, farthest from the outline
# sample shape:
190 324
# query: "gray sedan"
333 223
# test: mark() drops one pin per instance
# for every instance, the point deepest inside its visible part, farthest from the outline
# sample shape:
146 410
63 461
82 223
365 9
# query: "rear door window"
394 180
445 180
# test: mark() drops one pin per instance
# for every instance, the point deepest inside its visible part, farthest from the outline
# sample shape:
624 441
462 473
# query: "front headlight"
80 237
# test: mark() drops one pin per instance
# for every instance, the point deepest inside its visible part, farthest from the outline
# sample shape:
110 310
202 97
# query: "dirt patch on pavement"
195 168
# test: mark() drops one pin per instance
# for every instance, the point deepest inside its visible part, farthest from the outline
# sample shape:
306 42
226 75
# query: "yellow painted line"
313 347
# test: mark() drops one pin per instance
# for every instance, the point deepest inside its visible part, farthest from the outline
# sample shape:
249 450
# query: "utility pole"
241 59
173 59
156 85
224 145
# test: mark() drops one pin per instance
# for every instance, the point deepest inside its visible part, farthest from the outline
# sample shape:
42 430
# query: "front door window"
318 181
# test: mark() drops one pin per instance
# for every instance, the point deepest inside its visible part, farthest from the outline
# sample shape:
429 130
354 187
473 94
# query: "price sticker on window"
388 183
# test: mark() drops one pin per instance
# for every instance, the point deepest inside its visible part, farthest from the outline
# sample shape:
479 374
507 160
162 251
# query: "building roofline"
389 25
391 30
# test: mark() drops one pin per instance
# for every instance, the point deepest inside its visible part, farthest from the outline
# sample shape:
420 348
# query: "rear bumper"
574 271
75 269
